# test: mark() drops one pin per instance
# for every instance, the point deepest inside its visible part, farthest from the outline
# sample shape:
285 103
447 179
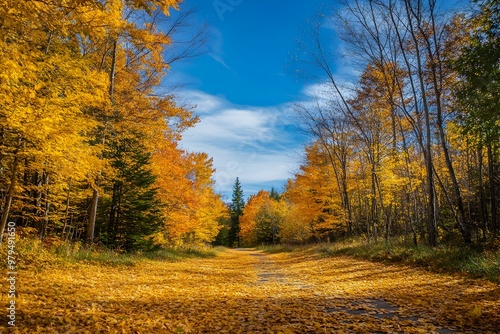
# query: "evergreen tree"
275 195
133 211
222 238
478 90
235 210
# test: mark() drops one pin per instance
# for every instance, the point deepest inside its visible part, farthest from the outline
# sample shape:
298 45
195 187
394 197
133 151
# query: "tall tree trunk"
492 181
373 201
9 197
37 199
45 221
437 77
424 141
66 213
2 153
345 200
431 213
92 217
483 212
95 194
27 193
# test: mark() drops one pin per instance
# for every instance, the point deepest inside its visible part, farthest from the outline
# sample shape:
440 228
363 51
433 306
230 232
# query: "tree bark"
95 194
437 76
9 197
493 200
92 217
431 212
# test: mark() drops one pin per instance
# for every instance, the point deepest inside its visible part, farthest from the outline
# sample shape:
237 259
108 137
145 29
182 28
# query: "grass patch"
476 263
100 256
471 262
175 254
31 252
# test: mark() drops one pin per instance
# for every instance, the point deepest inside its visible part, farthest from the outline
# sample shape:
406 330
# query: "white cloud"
317 90
219 58
323 94
216 47
204 103
260 145
252 143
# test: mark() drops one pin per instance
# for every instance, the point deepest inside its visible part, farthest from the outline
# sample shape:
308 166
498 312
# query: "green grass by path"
472 262
31 252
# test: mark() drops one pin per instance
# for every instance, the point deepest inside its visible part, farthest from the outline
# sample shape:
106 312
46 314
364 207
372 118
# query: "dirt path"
247 291
268 271
366 310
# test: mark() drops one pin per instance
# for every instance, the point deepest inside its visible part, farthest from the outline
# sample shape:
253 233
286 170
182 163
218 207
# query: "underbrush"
478 262
32 252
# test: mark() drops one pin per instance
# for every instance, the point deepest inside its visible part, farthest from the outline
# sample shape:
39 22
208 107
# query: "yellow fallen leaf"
475 312
418 302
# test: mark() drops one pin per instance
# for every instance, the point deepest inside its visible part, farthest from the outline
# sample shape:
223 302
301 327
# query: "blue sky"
244 86
244 89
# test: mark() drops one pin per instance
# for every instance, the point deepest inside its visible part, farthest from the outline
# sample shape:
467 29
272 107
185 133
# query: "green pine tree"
222 238
275 195
236 210
478 94
133 211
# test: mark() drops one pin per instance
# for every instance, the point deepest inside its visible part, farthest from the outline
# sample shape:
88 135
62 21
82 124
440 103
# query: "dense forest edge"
404 161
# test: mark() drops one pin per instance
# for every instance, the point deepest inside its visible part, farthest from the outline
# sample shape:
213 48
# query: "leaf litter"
247 291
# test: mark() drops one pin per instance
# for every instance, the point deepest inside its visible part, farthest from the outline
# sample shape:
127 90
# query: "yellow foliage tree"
192 210
315 196
262 219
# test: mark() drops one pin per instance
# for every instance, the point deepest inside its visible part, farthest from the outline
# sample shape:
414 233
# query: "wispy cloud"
216 48
263 146
204 103
218 58
317 90
253 143
324 92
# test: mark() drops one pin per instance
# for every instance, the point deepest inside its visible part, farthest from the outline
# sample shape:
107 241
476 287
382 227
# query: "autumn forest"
94 181
412 148
89 147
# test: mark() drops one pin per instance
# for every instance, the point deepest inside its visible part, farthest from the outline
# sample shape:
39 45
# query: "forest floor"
249 291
